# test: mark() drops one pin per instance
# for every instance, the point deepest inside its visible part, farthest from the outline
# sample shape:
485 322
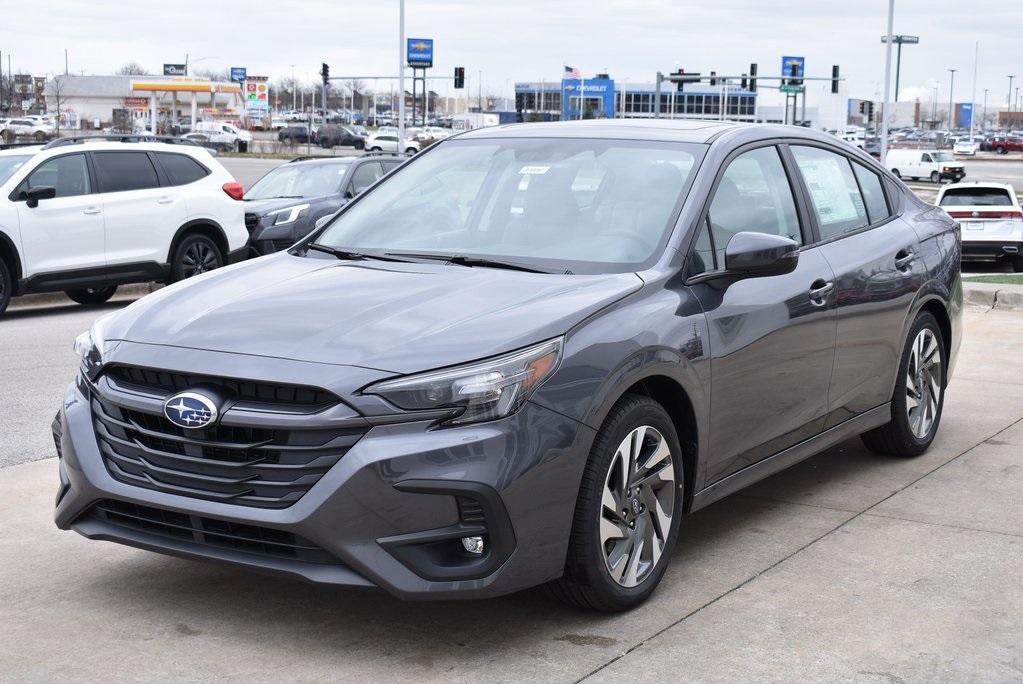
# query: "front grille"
243 465
251 221
221 534
470 511
162 381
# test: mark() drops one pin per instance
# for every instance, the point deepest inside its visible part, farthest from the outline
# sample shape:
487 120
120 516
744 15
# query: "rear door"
874 255
772 339
141 213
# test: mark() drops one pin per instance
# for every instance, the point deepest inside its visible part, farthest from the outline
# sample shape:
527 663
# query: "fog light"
473 544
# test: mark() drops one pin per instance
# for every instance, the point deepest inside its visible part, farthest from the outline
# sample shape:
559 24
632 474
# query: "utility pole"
951 85
294 90
1008 98
973 97
983 117
65 61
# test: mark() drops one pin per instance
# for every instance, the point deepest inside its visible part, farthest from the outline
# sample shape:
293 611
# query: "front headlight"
482 391
288 215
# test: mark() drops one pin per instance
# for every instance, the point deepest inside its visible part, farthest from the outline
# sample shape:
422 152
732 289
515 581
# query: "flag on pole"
572 72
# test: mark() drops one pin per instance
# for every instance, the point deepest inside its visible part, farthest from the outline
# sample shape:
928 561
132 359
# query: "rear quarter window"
181 169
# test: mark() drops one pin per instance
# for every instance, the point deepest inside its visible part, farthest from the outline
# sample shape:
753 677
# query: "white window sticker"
536 170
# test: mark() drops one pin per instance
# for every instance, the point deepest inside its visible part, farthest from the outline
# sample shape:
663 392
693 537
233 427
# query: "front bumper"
955 174
390 513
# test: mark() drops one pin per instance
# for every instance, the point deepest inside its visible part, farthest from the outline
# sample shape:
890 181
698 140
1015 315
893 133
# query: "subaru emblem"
190 410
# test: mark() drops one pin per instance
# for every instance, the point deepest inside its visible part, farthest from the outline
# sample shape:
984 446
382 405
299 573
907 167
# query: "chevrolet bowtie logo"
420 46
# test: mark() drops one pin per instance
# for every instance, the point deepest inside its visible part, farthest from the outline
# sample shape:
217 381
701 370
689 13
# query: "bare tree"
132 69
211 74
55 96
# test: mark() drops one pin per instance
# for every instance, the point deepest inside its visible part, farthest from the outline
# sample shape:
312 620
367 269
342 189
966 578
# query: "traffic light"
793 72
679 84
459 77
325 73
834 79
713 81
863 107
744 82
870 111
753 77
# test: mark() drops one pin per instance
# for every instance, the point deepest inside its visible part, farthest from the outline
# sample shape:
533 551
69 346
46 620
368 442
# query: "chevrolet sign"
419 53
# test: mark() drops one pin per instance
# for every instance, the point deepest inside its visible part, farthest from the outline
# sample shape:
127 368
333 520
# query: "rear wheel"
410 150
935 177
1000 150
196 254
90 296
6 286
919 394
375 149
39 136
628 510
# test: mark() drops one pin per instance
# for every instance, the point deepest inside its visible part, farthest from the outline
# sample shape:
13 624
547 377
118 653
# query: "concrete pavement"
848 566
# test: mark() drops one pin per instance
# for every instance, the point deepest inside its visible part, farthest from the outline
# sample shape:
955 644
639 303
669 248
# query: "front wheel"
410 150
1000 150
91 296
196 254
6 286
935 177
628 510
375 148
919 394
895 172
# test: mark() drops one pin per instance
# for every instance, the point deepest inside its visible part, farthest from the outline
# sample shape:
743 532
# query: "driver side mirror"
760 254
40 192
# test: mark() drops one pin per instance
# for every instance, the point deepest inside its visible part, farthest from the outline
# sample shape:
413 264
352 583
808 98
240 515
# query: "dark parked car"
284 205
339 136
293 134
522 358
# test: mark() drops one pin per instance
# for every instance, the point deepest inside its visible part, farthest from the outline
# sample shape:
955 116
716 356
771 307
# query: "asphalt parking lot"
848 566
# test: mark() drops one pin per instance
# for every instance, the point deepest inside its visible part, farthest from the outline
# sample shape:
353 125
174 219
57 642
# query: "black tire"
375 149
359 145
6 286
91 296
195 254
1001 150
410 151
935 177
587 581
897 438
1017 264
39 136
895 172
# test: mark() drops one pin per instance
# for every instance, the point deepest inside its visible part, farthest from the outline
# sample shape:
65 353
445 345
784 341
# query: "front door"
772 339
64 233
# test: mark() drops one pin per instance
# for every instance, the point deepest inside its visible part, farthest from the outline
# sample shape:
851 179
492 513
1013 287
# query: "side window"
181 169
753 195
120 171
364 176
833 189
69 175
873 195
925 158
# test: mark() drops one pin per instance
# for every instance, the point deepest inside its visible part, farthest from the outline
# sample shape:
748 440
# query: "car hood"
265 206
395 317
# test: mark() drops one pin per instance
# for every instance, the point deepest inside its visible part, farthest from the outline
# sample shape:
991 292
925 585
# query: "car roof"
23 149
321 162
680 130
978 184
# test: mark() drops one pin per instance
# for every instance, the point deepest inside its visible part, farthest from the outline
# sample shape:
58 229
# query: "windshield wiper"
465 260
349 255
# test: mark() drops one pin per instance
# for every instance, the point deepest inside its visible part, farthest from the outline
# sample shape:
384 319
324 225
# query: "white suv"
85 216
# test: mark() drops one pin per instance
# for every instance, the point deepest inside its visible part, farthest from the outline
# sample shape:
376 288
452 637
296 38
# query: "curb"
992 296
30 301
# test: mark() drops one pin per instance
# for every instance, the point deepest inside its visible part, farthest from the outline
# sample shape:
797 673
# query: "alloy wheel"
923 383
198 258
638 503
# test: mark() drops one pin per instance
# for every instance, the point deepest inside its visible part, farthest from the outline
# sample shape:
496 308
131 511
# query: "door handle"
819 291
904 259
90 210
165 200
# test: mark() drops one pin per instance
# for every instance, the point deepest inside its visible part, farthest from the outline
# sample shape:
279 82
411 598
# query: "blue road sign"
419 53
965 115
793 67
238 74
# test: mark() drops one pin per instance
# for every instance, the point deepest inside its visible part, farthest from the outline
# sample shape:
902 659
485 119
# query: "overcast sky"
531 39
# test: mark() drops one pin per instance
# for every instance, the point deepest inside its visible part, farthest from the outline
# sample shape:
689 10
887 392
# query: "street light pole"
951 85
294 92
983 117
1008 98
401 78
887 80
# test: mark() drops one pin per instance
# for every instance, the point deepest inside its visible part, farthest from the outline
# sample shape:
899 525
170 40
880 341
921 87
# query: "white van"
934 165
223 134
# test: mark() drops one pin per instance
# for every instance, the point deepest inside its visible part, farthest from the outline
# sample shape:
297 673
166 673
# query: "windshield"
943 156
605 203
11 163
299 180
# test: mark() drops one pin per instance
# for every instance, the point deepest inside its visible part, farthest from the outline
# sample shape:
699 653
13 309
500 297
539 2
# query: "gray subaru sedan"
521 359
